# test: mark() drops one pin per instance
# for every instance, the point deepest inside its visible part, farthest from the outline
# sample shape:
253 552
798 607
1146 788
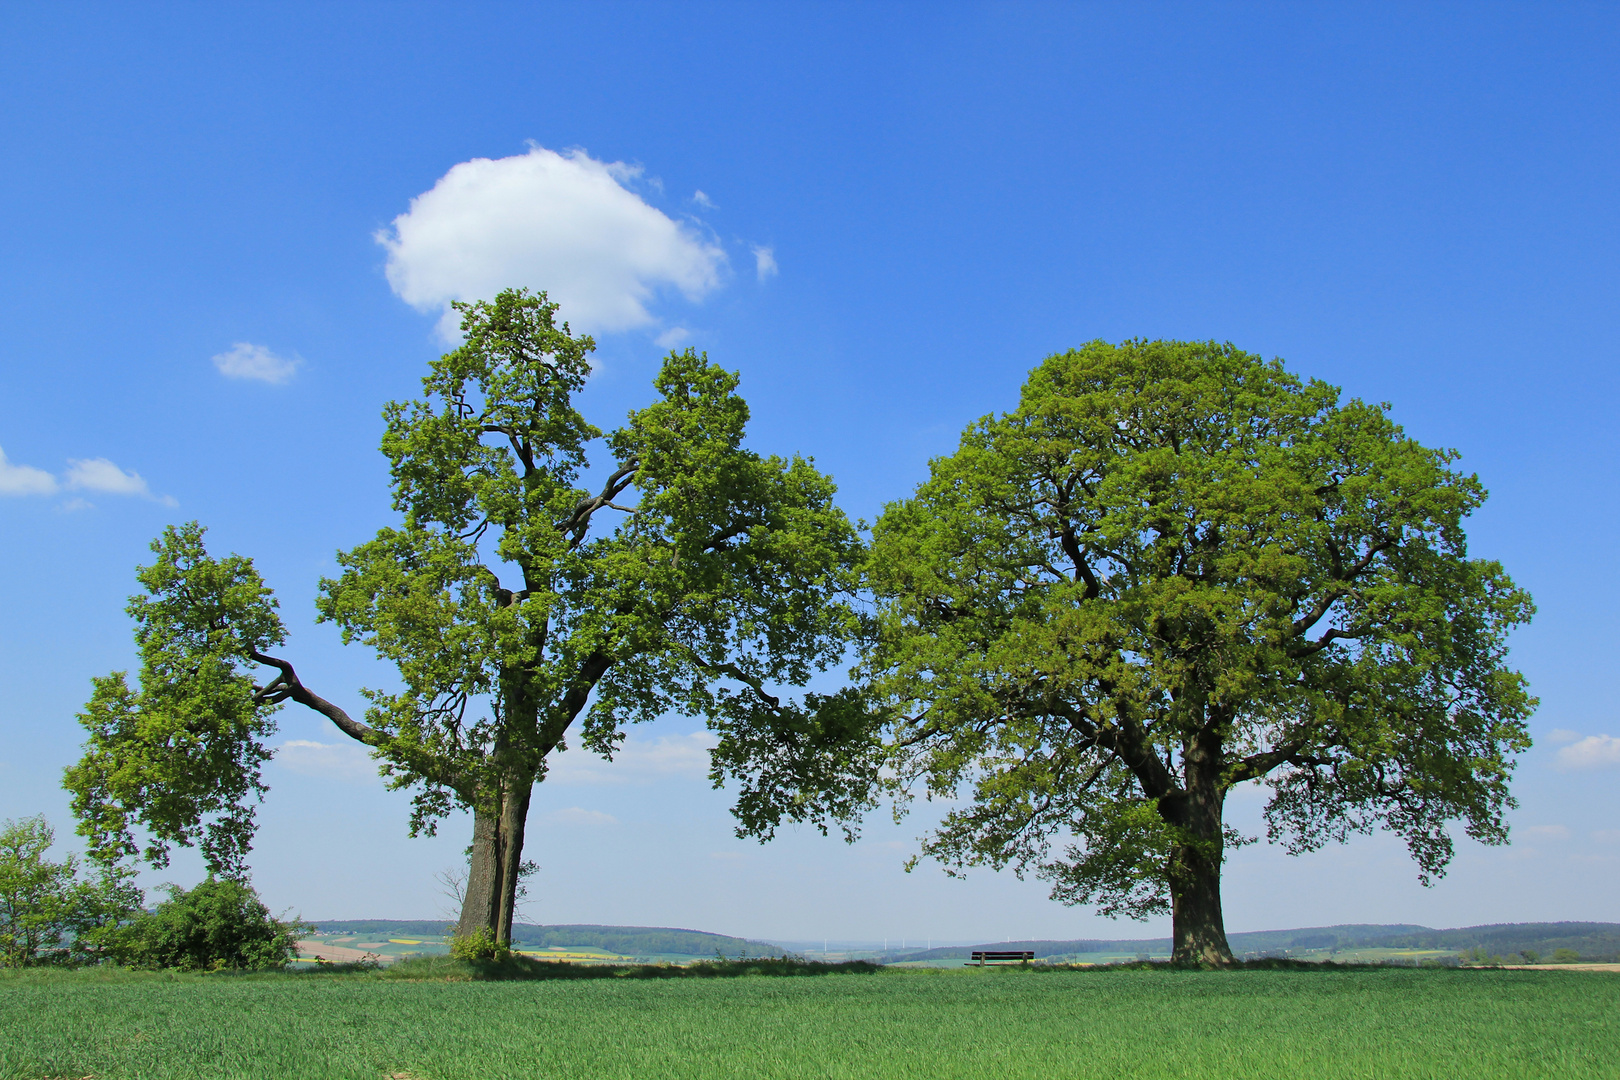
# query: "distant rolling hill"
1592 941
623 940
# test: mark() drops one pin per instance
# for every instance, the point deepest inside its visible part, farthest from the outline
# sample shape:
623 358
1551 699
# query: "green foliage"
186 745
47 914
1565 956
729 575
508 607
1010 1024
219 925
1172 569
481 944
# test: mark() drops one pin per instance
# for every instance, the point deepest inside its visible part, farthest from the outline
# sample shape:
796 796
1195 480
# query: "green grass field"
1000 1024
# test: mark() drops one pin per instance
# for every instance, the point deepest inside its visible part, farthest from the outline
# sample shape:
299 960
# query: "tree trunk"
479 908
1199 931
1198 928
497 855
514 819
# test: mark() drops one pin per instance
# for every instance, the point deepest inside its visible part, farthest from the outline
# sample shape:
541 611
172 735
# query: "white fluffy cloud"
247 361
565 223
24 479
1592 752
765 262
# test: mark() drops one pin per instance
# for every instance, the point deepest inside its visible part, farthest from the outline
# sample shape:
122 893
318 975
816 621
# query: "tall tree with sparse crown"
512 612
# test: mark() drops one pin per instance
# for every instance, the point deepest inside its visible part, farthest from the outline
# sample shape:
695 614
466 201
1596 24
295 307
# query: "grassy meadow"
992 1023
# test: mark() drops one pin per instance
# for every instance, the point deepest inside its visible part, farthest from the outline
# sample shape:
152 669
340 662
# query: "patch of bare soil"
338 954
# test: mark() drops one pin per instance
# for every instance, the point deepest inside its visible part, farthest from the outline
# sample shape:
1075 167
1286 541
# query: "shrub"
479 945
47 915
219 924
1566 956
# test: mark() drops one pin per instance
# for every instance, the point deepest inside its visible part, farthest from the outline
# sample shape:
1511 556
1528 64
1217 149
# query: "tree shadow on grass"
523 967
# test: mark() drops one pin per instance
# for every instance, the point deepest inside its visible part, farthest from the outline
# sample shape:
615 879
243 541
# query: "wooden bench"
982 958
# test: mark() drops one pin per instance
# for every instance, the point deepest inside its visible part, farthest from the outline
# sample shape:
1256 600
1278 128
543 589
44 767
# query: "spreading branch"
286 686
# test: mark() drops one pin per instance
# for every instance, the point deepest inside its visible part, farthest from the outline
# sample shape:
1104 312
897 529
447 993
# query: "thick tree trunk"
490 900
1198 928
479 907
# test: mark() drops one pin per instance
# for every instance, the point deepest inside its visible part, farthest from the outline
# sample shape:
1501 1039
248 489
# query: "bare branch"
287 686
1311 648
578 522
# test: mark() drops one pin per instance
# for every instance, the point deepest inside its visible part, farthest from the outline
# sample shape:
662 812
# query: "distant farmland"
1591 942
1354 943
583 942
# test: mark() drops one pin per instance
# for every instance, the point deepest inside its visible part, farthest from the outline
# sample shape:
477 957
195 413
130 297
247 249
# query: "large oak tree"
1172 569
513 613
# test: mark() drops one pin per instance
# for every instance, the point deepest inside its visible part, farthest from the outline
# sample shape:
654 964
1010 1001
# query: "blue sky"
903 210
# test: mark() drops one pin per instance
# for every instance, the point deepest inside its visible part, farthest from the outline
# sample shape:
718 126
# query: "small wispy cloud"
637 761
83 474
702 200
578 815
765 262
330 761
672 338
1592 752
245 360
24 479
99 474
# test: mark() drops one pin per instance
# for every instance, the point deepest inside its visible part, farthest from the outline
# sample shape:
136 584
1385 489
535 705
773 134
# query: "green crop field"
1005 1024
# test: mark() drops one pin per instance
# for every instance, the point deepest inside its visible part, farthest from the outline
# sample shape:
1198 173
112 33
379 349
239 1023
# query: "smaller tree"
515 612
48 915
179 754
220 924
